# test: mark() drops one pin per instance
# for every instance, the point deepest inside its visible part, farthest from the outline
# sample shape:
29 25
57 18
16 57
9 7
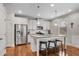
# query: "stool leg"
55 46
61 46
46 50
48 47
48 44
40 49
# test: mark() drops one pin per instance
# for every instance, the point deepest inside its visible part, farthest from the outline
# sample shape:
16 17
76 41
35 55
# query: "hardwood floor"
72 51
22 50
25 50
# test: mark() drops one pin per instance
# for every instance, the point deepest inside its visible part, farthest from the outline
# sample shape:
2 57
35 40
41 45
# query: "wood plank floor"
25 50
72 51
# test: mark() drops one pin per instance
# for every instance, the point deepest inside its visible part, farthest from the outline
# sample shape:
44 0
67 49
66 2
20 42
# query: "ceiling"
44 10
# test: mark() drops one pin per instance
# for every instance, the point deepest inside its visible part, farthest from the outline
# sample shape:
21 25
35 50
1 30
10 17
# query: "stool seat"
58 40
43 42
51 41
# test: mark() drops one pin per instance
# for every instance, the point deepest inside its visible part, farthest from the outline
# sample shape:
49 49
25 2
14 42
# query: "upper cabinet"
45 24
34 23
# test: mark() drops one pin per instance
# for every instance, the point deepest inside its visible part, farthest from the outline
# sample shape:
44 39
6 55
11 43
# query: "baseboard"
28 43
21 44
8 47
35 53
73 45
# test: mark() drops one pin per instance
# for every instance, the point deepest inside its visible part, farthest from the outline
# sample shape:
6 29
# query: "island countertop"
45 35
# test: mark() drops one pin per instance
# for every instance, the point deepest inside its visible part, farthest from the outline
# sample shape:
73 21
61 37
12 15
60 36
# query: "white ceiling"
45 10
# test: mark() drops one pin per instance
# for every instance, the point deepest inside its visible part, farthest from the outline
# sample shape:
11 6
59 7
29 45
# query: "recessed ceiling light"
52 5
69 10
55 24
19 11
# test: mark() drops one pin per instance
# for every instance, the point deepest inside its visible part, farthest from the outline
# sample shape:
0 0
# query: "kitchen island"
35 38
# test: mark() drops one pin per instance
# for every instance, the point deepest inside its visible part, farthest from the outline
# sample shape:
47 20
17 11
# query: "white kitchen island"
35 38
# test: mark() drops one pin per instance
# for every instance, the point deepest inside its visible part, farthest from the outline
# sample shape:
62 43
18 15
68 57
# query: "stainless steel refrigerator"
20 34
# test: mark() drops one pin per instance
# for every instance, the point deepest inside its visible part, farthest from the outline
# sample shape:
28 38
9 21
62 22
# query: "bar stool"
49 42
56 41
42 50
58 46
51 49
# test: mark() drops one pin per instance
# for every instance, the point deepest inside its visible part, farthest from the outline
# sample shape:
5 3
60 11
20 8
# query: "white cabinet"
33 24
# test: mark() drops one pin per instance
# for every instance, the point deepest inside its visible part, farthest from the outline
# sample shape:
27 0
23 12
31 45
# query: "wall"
2 29
32 25
10 21
72 33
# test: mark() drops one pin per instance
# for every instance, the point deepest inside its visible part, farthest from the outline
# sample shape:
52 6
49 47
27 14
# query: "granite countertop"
46 35
40 36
